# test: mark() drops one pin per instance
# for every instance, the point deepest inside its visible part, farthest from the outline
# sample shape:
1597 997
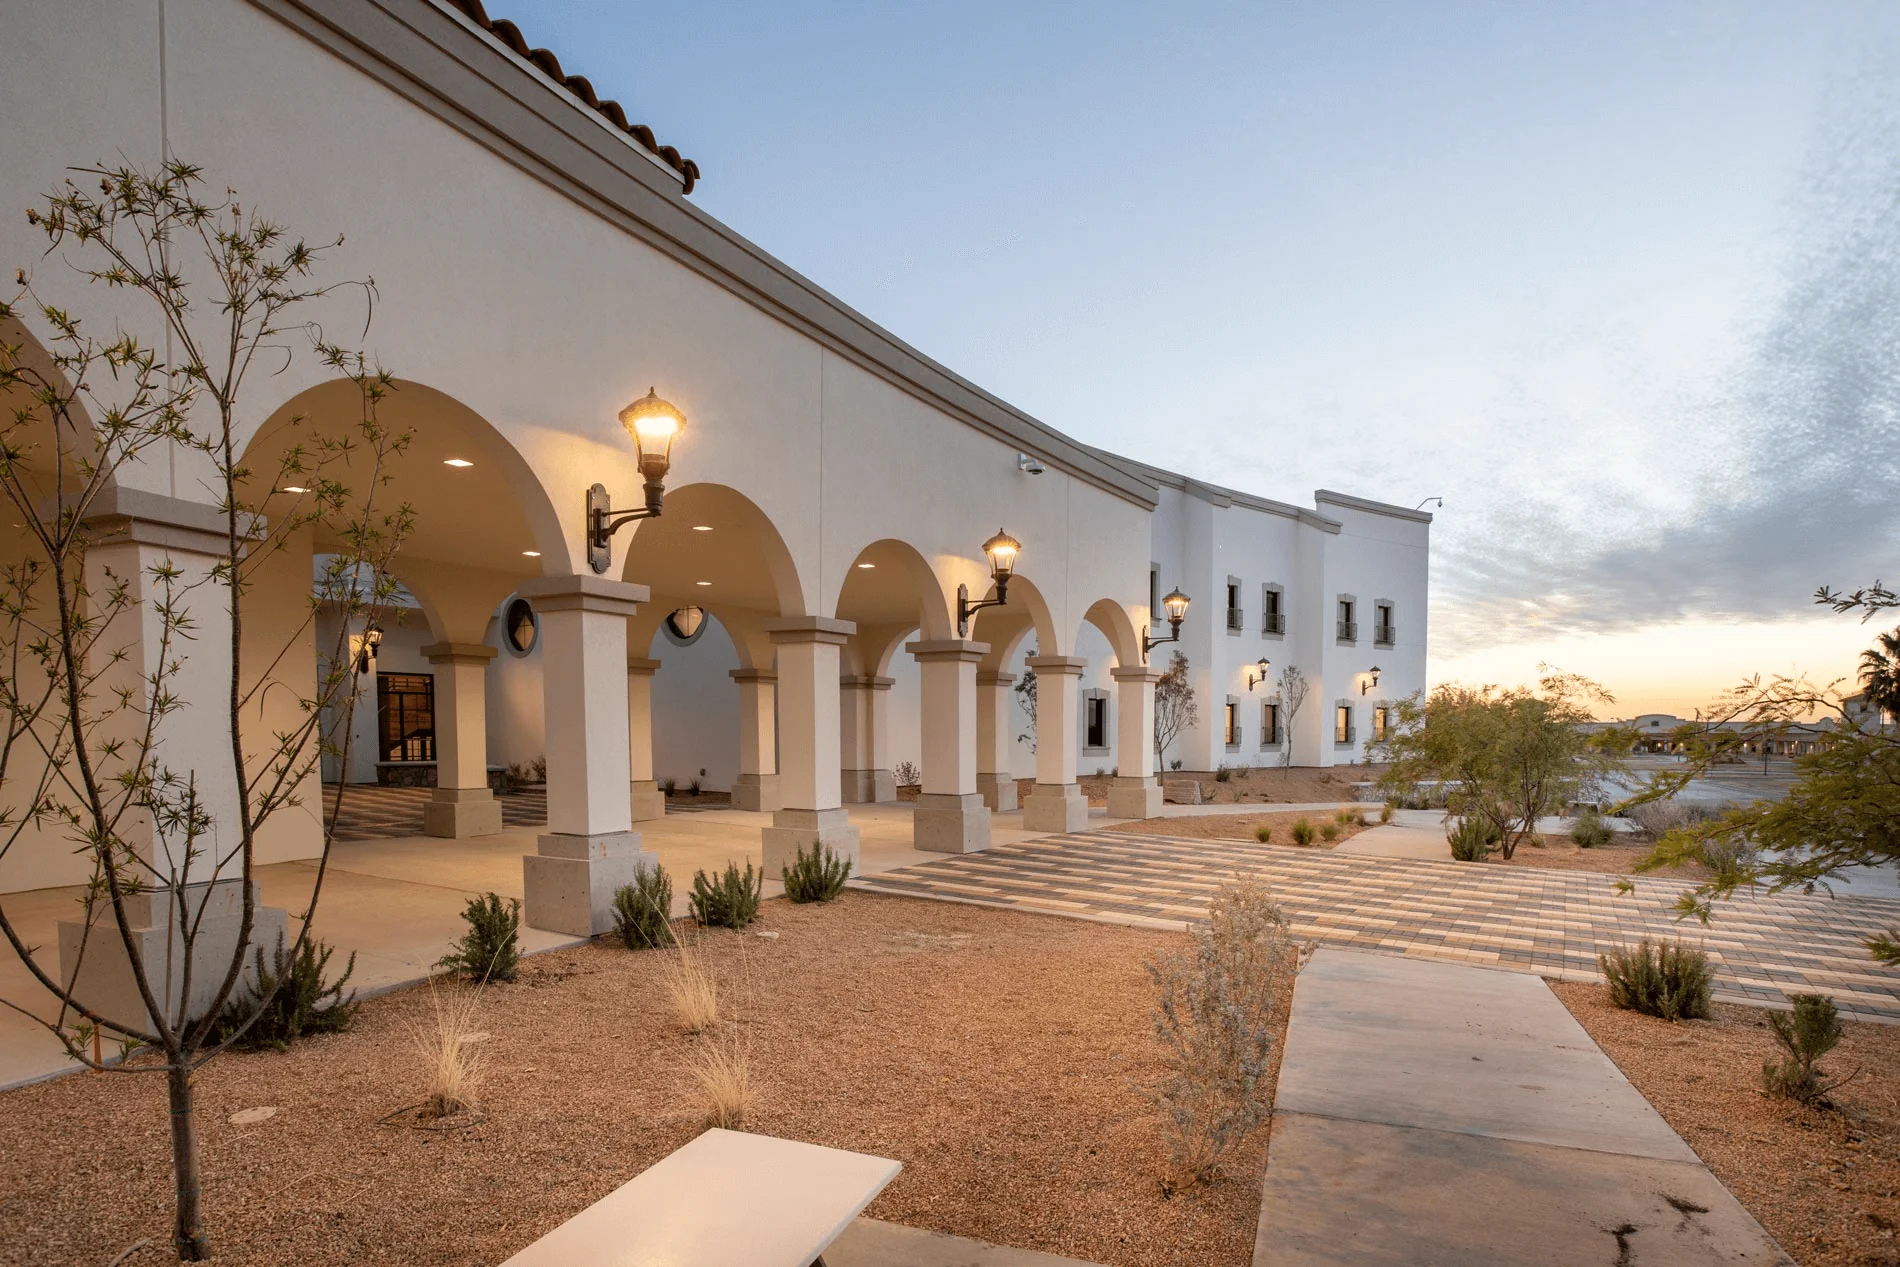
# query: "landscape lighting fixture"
1176 605
1001 550
654 424
1258 673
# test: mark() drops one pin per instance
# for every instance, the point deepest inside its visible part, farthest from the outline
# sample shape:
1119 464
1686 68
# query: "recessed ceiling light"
457 462
702 527
867 565
292 488
702 582
531 554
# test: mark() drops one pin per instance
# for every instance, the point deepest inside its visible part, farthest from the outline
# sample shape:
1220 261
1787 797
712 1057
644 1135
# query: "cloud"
1796 478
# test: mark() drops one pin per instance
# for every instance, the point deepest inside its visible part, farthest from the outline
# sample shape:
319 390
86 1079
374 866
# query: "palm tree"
1880 673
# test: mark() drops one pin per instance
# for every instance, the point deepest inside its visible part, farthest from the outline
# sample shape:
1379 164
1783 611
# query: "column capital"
640 666
1136 673
458 653
141 517
989 677
1060 665
752 675
583 593
939 649
790 630
864 682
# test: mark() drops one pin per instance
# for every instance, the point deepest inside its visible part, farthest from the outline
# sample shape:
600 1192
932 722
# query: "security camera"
1028 465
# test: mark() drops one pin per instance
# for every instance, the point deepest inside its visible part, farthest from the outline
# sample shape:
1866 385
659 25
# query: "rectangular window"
1342 724
1233 723
1272 619
1234 620
1154 595
1095 716
1269 725
405 716
1348 627
1382 624
1381 720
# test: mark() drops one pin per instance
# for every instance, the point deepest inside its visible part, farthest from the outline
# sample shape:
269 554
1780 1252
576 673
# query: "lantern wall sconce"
1176 605
654 424
1001 551
1368 679
366 650
1258 672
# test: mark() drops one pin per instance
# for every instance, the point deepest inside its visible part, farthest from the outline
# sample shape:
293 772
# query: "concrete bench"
728 1199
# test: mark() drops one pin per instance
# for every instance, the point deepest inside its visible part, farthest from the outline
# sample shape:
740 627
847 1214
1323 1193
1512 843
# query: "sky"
1620 282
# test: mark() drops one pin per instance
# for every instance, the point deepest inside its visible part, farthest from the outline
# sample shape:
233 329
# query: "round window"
520 626
686 624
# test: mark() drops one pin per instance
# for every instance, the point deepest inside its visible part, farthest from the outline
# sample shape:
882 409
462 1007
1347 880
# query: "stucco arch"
34 359
714 533
743 628
1005 627
891 583
493 513
1112 619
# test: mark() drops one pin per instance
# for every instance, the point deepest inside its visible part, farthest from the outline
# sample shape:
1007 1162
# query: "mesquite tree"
1294 688
1175 706
119 686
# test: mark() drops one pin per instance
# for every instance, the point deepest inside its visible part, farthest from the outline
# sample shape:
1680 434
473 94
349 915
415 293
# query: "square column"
864 711
136 533
462 804
590 849
994 742
648 802
758 785
1135 793
1057 803
951 816
810 732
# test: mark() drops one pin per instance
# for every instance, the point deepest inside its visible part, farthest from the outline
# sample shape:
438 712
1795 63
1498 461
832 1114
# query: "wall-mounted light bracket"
967 609
1258 672
1369 679
602 523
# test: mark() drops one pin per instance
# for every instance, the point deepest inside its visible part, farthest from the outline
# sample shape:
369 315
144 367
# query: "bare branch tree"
119 661
1294 688
1175 707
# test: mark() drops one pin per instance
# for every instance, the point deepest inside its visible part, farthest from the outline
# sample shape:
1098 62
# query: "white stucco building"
540 264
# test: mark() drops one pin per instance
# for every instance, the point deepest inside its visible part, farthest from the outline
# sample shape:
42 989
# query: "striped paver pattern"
373 812
1545 921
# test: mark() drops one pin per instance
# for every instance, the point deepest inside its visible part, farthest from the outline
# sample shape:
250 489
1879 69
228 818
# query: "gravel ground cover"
1562 853
1822 1181
999 1055
1243 826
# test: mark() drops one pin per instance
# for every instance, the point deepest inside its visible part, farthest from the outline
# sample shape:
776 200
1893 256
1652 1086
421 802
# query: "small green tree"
1175 707
1508 757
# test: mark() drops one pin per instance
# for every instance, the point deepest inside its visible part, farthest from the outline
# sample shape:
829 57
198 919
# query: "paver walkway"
1549 922
1433 1114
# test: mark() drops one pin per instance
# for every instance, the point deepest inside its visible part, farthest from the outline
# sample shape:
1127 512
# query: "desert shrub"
1223 774
1659 817
1473 838
692 988
491 948
1329 831
1589 830
817 876
1214 1018
643 910
1344 816
669 785
1809 1032
1175 764
1731 861
1302 832
905 774
723 1068
1666 979
692 789
732 901
453 1063
1263 834
294 998
1385 812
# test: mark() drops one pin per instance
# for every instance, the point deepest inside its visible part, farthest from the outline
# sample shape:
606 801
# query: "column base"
1056 807
457 812
866 787
1134 798
998 791
649 802
796 829
103 977
756 792
568 883
949 822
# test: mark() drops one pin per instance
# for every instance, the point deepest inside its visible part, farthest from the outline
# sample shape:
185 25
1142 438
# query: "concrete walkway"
1429 1113
873 1243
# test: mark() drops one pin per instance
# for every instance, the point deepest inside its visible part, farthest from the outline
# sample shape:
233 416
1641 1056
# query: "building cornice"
437 61
1326 496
